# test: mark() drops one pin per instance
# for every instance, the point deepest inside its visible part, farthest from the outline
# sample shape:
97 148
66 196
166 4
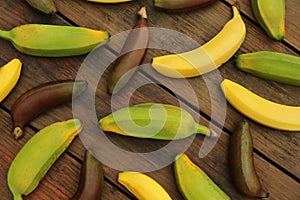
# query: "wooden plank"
61 180
284 144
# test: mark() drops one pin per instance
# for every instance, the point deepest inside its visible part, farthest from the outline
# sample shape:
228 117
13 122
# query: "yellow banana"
208 57
9 76
142 186
38 154
193 183
263 111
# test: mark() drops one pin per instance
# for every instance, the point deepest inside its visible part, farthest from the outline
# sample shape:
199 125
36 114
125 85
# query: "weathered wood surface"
276 152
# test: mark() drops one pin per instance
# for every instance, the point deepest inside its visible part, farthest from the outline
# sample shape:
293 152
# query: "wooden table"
277 153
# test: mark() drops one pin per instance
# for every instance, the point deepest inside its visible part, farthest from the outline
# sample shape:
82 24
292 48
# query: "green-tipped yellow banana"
263 111
54 40
194 183
274 66
154 121
38 154
208 57
270 14
142 186
9 76
45 6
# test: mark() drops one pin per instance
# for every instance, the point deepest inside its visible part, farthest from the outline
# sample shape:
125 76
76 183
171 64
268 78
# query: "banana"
274 66
9 76
193 183
45 6
54 40
182 5
131 55
142 186
263 111
38 154
42 98
270 14
91 179
154 121
241 162
208 57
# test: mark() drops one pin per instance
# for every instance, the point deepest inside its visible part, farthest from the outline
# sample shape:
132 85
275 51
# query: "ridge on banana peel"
9 76
142 186
208 57
263 111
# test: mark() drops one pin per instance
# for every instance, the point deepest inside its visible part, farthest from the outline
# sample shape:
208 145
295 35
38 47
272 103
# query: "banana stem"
5 35
18 132
205 131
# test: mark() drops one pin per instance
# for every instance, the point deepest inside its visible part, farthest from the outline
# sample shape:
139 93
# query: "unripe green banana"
193 183
270 14
45 6
38 154
153 120
54 40
274 66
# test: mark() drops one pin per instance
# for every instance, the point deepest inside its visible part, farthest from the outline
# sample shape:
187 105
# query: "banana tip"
142 12
18 133
212 133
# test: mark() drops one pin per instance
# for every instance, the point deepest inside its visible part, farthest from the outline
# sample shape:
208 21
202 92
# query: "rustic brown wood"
281 148
191 24
61 180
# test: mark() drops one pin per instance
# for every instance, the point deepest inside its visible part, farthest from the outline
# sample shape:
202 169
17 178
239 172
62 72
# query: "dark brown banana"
181 5
42 98
91 179
242 164
132 54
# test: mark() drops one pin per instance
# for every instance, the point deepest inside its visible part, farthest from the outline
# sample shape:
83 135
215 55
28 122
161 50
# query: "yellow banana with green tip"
208 57
154 121
194 183
38 154
142 186
263 111
9 76
270 14
54 40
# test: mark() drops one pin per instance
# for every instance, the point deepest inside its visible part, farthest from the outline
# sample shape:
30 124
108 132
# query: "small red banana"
42 98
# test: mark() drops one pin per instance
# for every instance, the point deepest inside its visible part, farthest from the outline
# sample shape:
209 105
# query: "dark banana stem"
132 55
42 98
91 179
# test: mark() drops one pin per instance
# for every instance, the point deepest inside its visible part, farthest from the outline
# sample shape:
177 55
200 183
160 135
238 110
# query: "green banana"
54 40
45 6
270 14
274 66
153 120
193 183
38 154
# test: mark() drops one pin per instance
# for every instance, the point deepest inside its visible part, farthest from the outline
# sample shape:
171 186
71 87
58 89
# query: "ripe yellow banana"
208 57
9 76
38 154
193 183
142 186
263 111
